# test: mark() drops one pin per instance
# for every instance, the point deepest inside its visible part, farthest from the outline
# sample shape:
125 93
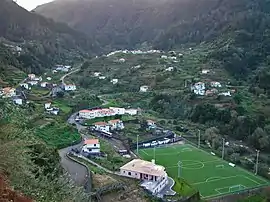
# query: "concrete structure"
116 124
70 87
154 177
122 60
25 85
102 126
226 94
151 124
97 74
198 88
8 92
18 100
131 111
102 77
49 78
114 81
32 83
169 69
118 110
43 84
47 105
31 76
144 88
215 84
91 146
205 71
164 57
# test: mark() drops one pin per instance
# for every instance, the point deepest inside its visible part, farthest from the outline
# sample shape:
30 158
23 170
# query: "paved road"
62 79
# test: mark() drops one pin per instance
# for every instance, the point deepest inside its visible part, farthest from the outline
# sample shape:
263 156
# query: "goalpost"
235 188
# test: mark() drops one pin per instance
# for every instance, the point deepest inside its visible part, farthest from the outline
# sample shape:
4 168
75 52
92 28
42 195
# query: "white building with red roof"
91 146
116 124
102 126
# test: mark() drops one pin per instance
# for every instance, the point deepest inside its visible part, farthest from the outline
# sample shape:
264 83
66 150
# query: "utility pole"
257 162
223 148
137 144
155 153
179 168
199 139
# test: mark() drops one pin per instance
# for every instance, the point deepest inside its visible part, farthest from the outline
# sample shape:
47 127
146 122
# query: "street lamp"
223 148
257 162
137 144
179 168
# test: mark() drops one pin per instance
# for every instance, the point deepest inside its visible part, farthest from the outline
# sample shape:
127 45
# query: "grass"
209 174
57 135
62 105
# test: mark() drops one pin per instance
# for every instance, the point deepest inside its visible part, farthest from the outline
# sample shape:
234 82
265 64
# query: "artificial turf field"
211 175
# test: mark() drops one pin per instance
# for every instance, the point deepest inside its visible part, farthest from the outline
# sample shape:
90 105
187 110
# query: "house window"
95 145
129 173
124 171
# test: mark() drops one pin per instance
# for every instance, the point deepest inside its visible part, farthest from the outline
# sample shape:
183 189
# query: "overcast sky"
31 4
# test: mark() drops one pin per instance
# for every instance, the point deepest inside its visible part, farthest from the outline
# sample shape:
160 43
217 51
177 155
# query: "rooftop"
100 123
114 121
91 141
145 167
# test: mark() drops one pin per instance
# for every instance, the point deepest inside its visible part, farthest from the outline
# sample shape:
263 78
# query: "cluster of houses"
16 96
135 52
209 89
61 68
111 111
101 77
51 109
116 124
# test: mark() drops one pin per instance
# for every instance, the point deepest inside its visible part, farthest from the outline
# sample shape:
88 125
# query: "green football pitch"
211 175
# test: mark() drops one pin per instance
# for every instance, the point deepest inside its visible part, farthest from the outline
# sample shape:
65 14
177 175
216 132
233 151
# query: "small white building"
70 87
164 57
172 58
18 100
198 88
154 177
43 84
47 105
102 126
91 146
226 94
114 81
118 110
33 83
144 88
102 77
131 111
49 78
31 76
96 74
215 84
122 60
205 71
151 124
116 124
25 85
169 69
54 71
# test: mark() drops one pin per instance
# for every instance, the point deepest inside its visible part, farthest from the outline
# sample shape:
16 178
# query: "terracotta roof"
145 167
91 141
100 123
85 110
151 121
114 121
8 89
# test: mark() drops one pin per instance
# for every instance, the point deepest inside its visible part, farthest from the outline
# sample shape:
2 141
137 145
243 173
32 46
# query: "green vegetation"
216 177
58 135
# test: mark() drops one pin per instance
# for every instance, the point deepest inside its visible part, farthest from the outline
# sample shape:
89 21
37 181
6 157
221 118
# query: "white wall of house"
91 148
117 125
131 111
47 105
131 174
103 127
119 111
25 85
70 87
18 101
144 88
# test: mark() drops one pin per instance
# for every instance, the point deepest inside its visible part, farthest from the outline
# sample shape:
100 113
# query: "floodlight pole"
223 148
137 144
199 139
257 162
154 152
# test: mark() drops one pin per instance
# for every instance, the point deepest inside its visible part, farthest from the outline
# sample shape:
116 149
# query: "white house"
31 76
102 77
169 69
172 58
32 83
205 71
226 94
144 88
91 146
25 85
96 74
43 84
70 87
102 126
116 124
47 105
54 71
198 88
151 124
164 57
154 177
18 100
131 111
122 60
8 92
118 110
215 84
49 78
114 81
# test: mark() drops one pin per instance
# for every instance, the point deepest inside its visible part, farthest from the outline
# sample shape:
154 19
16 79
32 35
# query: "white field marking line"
240 168
223 178
242 187
145 152
252 180
192 164
210 178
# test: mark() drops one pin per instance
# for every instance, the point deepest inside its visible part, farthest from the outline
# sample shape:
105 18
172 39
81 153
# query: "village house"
118 110
54 111
131 111
226 94
164 57
54 71
43 84
31 76
62 68
102 77
70 87
215 84
33 83
17 100
172 58
116 124
102 126
25 85
114 81
95 113
198 88
211 92
96 74
47 105
144 88
91 146
49 78
169 69
154 177
151 124
122 60
205 71
8 92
